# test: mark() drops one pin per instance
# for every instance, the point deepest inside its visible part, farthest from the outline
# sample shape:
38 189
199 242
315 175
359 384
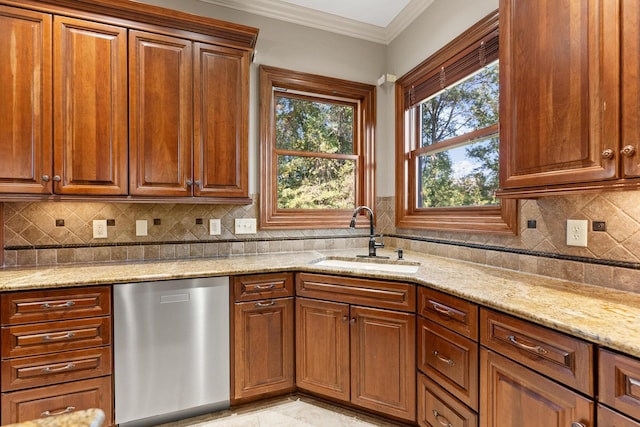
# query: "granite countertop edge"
597 314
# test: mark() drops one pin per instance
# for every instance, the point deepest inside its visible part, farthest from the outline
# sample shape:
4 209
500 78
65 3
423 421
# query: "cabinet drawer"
373 293
452 312
609 418
41 338
561 357
25 405
437 408
40 306
55 368
619 379
262 286
450 359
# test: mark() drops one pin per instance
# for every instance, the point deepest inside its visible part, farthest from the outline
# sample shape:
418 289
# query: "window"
447 157
316 149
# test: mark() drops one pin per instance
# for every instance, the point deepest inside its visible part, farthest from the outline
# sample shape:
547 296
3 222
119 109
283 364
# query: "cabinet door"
514 396
90 104
383 376
221 99
263 346
160 118
25 104
322 348
630 44
559 92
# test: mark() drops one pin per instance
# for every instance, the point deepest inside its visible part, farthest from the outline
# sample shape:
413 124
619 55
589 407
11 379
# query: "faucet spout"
373 245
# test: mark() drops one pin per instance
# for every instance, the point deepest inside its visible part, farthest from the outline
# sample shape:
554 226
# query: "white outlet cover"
214 227
577 232
245 226
100 229
141 227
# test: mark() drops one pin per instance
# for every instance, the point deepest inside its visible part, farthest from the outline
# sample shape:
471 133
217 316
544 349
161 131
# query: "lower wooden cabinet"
58 399
361 355
437 408
263 346
609 418
514 396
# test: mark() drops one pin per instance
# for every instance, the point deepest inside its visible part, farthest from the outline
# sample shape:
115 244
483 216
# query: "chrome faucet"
373 245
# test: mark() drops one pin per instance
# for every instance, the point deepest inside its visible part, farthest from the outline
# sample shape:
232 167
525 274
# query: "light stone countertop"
93 417
597 314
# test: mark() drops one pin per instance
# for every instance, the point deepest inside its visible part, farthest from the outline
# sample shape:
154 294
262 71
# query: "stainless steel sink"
365 263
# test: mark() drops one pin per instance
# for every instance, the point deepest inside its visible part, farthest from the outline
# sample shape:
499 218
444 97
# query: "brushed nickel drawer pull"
441 419
64 305
577 424
446 360
63 411
265 287
59 337
265 304
48 370
442 309
534 348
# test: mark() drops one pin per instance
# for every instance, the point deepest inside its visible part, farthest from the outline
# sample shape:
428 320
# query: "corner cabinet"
560 92
356 342
121 99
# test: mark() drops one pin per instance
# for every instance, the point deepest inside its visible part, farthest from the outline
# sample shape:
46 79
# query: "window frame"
271 80
483 219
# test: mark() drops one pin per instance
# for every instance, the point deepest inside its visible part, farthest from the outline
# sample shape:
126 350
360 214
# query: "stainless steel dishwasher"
171 346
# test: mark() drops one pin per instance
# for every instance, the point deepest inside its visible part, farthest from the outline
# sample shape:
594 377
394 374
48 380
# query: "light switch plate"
141 227
100 229
577 232
245 226
214 227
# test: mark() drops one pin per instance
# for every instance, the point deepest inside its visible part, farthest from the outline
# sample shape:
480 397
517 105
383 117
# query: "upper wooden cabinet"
560 95
90 107
116 98
25 104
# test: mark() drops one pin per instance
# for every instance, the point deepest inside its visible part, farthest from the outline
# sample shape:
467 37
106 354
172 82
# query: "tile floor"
287 412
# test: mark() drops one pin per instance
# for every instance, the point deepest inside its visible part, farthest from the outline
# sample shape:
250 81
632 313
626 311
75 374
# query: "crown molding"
325 21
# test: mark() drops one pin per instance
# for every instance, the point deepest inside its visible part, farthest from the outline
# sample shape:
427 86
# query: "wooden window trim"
484 219
270 216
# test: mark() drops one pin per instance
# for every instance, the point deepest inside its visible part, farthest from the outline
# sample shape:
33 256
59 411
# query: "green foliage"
304 181
470 105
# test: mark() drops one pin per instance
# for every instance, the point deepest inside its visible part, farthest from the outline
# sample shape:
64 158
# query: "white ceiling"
379 21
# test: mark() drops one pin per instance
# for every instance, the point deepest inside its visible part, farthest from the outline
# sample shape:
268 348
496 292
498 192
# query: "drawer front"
37 371
59 304
561 357
262 286
452 312
41 338
437 408
43 402
372 293
619 378
609 418
450 359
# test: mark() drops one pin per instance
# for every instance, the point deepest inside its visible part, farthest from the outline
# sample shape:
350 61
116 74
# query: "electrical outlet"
141 227
577 232
99 228
245 226
214 227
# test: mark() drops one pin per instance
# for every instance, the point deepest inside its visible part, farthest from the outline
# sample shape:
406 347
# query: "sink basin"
393 266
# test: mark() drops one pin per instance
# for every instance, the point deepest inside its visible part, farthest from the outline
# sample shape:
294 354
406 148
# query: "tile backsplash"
34 236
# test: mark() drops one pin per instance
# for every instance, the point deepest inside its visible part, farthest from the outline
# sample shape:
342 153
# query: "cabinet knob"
45 178
189 182
197 183
607 154
577 424
628 150
57 178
